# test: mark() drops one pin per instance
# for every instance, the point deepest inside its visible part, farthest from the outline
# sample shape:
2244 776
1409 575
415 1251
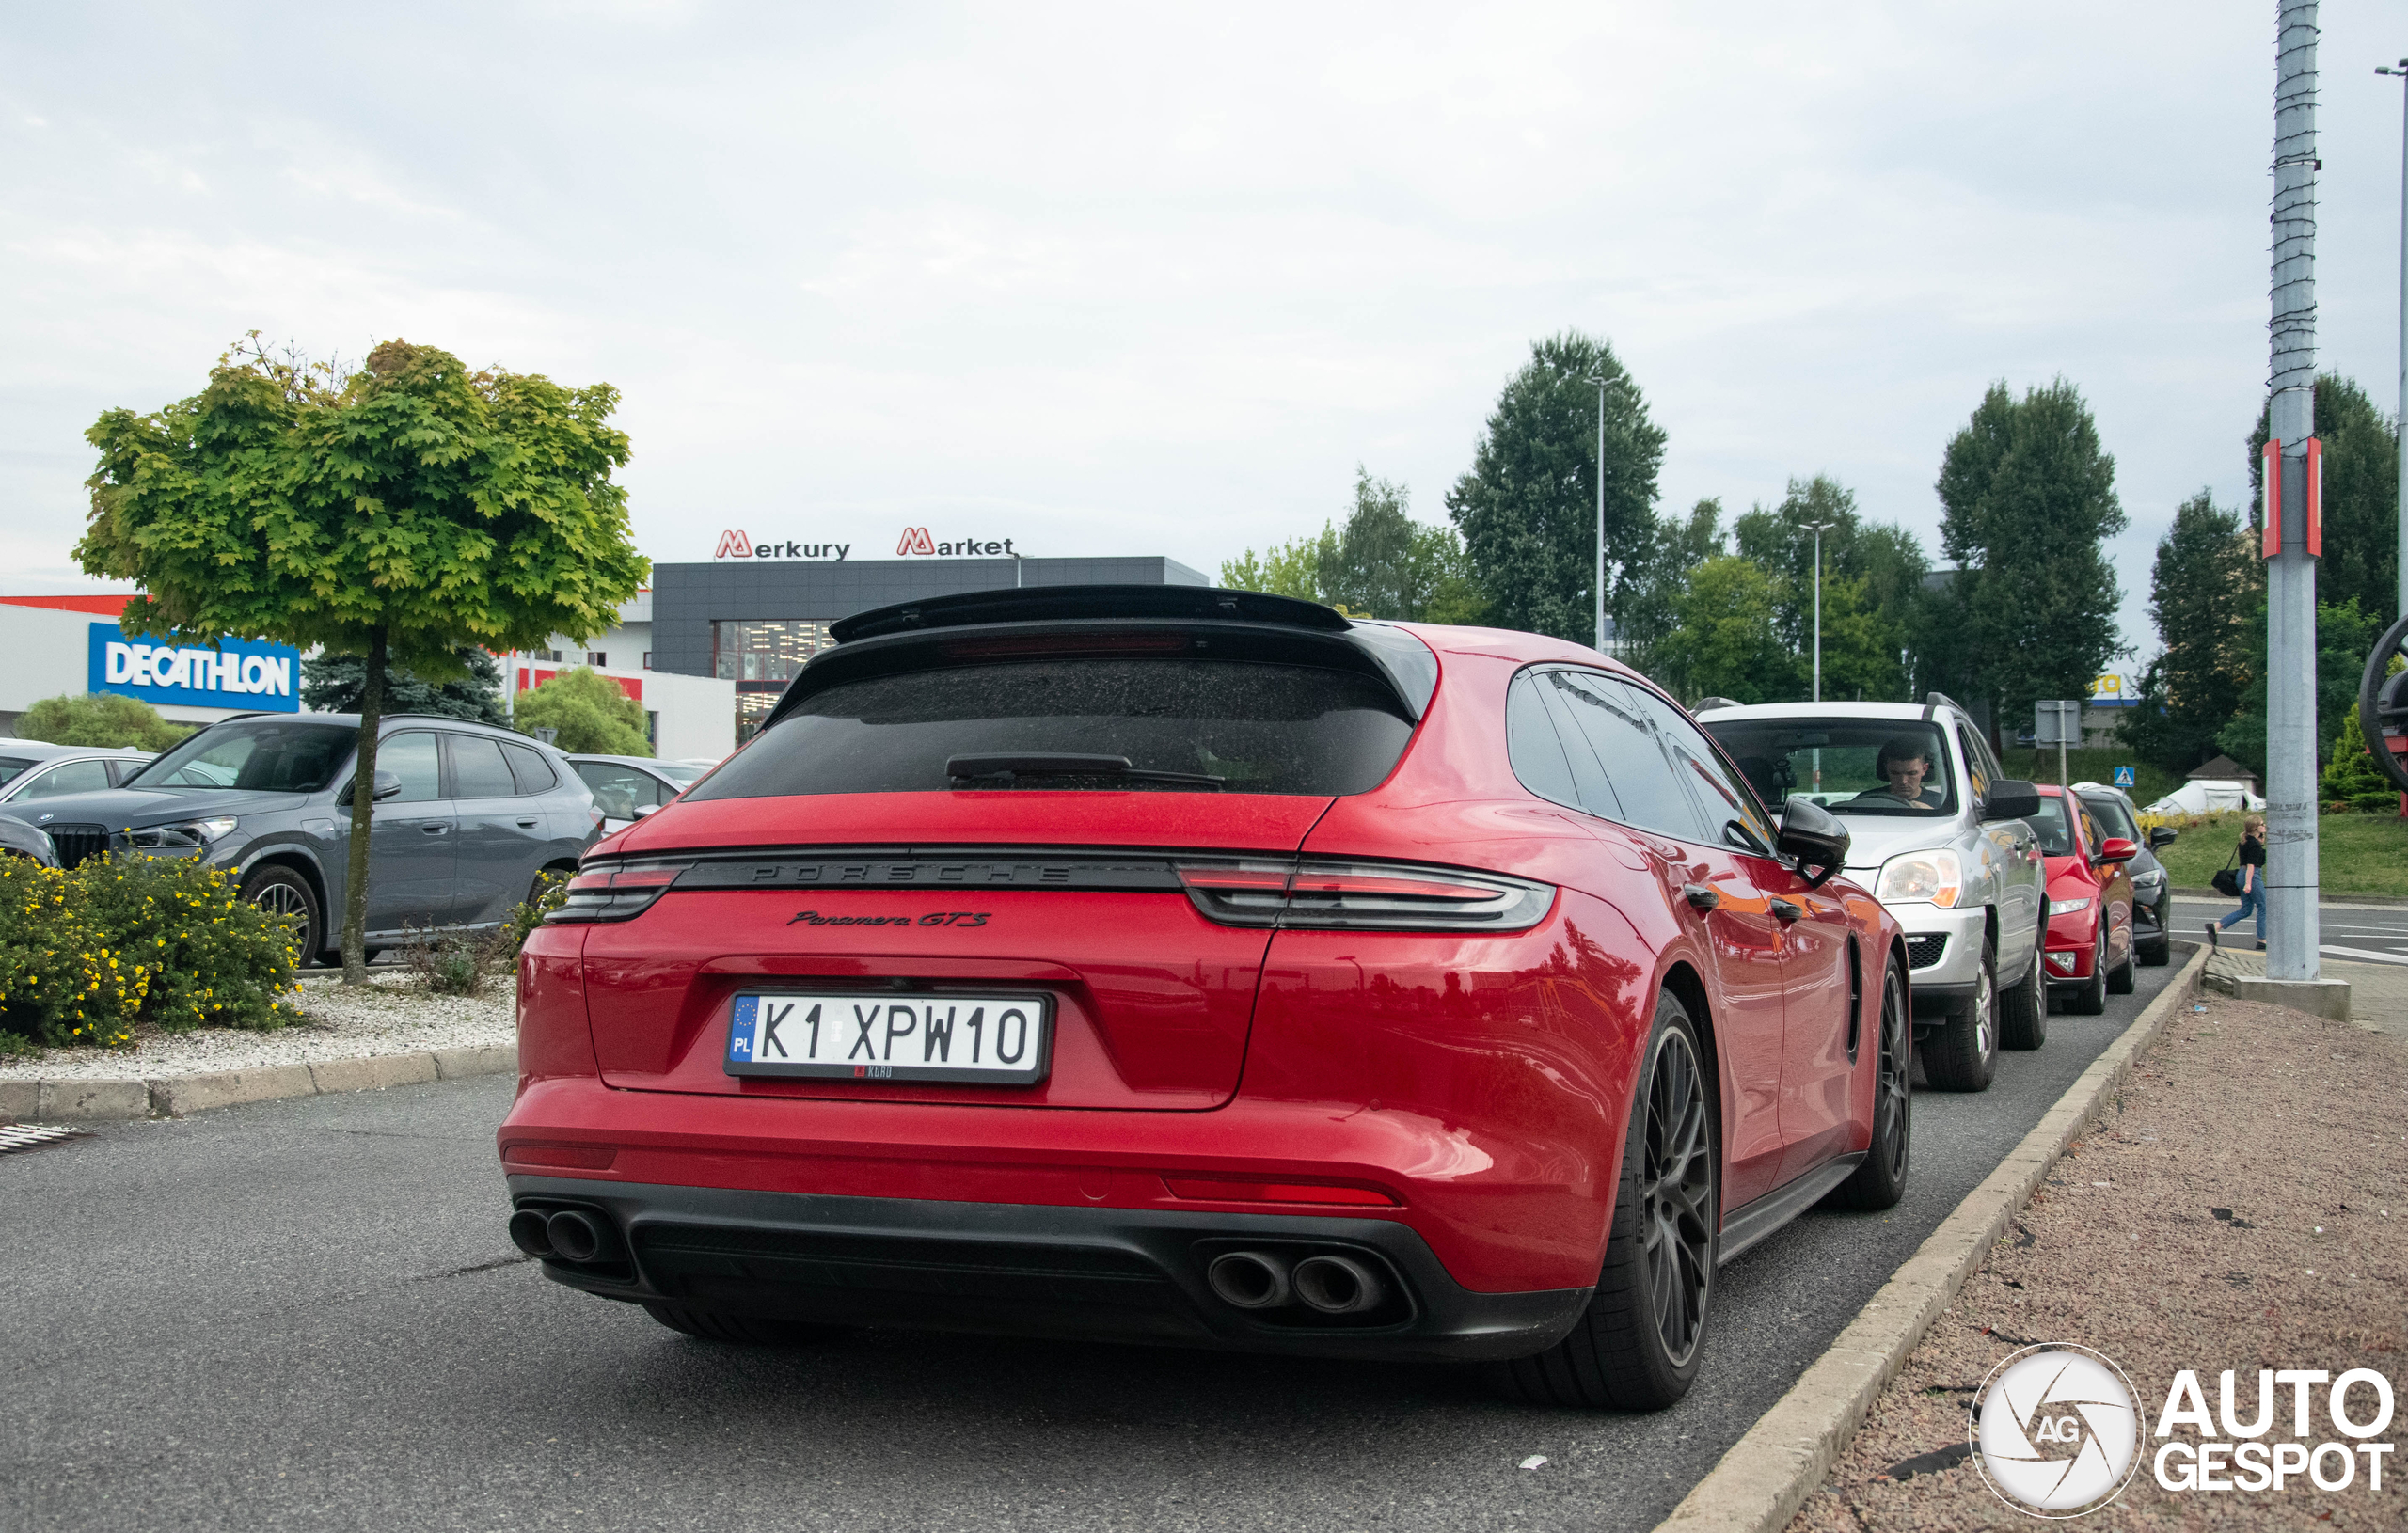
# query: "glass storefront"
761 657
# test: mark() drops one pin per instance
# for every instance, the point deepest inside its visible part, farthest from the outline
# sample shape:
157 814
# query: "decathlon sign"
233 673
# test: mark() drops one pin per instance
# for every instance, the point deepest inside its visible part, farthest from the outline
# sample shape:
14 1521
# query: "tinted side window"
1722 792
1532 745
619 791
411 757
478 770
534 774
1976 760
1645 788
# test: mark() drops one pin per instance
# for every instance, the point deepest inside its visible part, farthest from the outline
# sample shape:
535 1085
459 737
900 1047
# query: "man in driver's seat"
1906 761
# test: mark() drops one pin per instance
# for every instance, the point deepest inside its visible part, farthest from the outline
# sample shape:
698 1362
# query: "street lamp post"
1818 528
2400 68
1598 634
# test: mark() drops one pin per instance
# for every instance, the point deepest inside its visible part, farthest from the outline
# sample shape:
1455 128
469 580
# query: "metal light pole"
2402 421
1818 528
2292 924
1599 632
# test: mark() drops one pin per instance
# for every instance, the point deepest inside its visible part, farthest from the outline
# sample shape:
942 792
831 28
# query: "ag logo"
2056 1430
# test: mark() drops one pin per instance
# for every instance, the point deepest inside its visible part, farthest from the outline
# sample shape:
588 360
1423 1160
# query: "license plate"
993 1040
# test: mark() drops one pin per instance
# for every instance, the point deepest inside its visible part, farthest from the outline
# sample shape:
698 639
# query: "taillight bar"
608 893
1363 896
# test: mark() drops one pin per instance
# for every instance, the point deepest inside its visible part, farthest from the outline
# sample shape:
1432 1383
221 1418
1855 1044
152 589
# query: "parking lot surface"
305 1315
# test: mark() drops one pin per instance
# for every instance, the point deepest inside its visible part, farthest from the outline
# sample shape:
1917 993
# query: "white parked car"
1937 833
626 788
38 769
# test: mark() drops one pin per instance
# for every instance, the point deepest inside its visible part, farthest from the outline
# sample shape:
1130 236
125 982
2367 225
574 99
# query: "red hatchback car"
2089 948
1196 967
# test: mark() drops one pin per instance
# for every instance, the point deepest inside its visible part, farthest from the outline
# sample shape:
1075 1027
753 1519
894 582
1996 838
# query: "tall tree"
393 514
335 683
1872 575
2206 586
1728 642
1527 508
1651 612
2361 501
2029 499
1383 564
2344 634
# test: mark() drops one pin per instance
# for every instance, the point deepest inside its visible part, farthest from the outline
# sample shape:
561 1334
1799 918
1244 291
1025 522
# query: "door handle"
1704 896
529 825
435 828
1786 911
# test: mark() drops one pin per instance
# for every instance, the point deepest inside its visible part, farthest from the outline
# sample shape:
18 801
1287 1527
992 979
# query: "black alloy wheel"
281 891
1637 1345
2091 999
1881 1180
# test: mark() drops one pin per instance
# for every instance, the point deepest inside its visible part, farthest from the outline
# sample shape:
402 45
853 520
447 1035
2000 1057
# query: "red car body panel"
2109 889
1473 1087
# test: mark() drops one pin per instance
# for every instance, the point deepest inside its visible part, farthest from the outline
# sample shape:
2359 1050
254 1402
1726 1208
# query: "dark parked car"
1183 965
2152 891
466 817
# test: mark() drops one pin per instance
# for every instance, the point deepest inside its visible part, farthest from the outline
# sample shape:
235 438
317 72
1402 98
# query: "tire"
2023 1011
1963 1055
2119 979
1880 1181
2091 999
737 1330
2158 952
279 891
1665 1238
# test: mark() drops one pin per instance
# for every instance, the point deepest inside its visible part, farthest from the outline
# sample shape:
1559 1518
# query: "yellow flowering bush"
215 959
85 956
61 980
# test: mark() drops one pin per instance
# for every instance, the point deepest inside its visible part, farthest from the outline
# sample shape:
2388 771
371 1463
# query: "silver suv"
1937 833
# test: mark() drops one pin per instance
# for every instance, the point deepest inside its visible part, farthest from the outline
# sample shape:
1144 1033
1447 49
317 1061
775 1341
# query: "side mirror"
1813 837
2117 849
388 785
2010 798
2163 836
642 810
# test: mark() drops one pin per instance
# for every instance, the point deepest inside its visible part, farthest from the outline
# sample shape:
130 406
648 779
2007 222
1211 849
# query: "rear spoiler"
1222 624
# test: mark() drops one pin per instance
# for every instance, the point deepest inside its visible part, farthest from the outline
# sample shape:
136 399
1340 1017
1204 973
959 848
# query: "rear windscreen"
1254 728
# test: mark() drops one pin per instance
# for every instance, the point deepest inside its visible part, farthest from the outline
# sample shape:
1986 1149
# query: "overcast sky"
1143 279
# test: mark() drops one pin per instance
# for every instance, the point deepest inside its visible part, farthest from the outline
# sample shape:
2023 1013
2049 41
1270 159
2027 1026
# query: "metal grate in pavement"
25 1136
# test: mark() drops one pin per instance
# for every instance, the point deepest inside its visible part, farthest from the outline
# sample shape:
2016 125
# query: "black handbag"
2227 878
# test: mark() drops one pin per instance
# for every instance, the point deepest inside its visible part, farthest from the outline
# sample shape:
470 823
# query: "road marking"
2363 953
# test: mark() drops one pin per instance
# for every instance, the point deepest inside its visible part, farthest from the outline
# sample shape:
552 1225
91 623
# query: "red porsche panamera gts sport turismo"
1195 967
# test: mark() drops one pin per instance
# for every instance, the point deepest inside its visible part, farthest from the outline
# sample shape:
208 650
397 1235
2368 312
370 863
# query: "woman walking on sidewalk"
2252 857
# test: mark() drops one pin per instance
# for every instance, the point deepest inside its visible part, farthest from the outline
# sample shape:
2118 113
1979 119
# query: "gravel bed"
2241 1205
393 1015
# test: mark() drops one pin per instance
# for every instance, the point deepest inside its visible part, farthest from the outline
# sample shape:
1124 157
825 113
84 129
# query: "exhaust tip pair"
559 1234
1333 1284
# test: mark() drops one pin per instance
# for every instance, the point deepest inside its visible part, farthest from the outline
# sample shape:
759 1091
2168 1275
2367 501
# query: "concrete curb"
174 1096
1769 1474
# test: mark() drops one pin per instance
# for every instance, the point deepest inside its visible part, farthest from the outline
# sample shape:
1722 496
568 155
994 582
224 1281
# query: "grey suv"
466 817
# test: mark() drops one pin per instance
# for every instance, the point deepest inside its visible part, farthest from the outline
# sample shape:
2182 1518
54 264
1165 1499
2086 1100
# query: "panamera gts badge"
934 918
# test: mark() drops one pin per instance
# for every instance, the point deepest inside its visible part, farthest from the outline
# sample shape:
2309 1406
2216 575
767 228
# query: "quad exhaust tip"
559 1234
1333 1284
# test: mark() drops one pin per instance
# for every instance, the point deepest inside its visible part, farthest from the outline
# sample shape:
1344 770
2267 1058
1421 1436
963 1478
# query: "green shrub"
552 893
216 960
61 982
458 963
102 721
589 710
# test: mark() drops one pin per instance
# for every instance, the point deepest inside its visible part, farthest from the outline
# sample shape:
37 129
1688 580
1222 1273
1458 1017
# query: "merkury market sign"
915 542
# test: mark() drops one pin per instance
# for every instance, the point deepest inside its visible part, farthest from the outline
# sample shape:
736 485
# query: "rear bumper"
1098 1273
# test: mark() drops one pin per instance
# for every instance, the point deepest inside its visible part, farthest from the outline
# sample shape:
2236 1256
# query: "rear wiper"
1066 764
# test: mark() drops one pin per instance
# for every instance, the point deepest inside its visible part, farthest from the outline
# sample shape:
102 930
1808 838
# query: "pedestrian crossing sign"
2124 777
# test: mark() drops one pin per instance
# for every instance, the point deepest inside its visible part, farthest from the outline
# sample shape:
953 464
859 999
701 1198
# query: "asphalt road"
305 1315
2357 933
